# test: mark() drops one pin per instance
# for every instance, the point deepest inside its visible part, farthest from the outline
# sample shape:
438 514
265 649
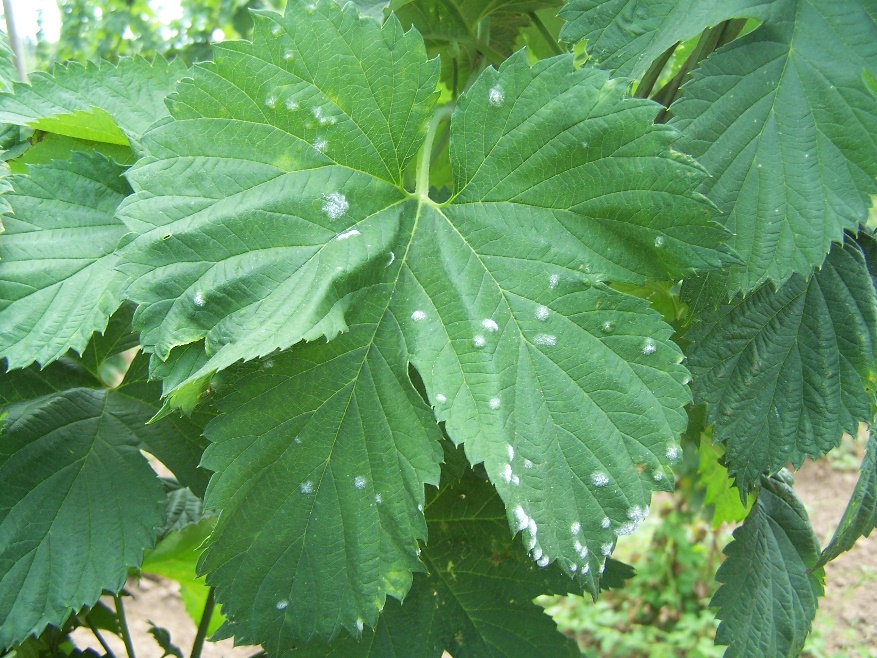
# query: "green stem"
100 638
549 38
651 76
421 189
203 625
123 626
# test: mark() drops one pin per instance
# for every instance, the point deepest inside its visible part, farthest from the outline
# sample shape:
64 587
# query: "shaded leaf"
626 36
782 121
718 489
860 516
163 639
784 374
78 507
58 282
768 596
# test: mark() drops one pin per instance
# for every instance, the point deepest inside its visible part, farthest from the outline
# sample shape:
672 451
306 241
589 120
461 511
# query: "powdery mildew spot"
494 403
281 605
347 234
441 399
336 205
418 316
599 479
359 482
198 299
489 325
479 341
546 340
542 313
496 97
649 347
307 487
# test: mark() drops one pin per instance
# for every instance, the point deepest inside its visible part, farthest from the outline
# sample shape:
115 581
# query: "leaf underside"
280 217
768 596
784 374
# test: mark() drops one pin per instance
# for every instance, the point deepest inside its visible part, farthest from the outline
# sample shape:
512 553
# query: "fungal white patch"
626 528
198 299
649 347
583 552
599 479
537 553
418 316
271 101
496 97
359 624
602 568
297 440
288 55
606 522
420 507
528 463
336 205
441 399
573 567
608 327
658 476
542 313
291 104
606 549
281 605
306 487
553 280
489 325
637 513
586 567
506 473
359 482
378 499
521 517
275 29
659 241
531 543
494 403
672 452
511 452
546 340
347 234
543 561
575 528
320 144
577 546
392 259
479 341
532 528
516 480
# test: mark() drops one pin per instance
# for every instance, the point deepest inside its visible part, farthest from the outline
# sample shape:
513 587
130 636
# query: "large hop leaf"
101 102
79 502
784 373
58 282
770 581
771 117
281 216
626 36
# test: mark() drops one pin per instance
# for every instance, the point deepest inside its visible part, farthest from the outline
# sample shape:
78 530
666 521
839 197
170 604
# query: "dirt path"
846 622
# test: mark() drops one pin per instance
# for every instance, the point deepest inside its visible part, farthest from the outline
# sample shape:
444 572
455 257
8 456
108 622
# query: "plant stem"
123 626
549 39
203 625
100 638
654 72
421 189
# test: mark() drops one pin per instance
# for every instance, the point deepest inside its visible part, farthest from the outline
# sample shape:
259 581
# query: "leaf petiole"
421 190
123 625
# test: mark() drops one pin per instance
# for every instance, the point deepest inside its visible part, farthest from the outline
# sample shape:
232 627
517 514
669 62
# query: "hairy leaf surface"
860 517
282 215
477 598
768 597
78 506
783 122
626 36
785 373
102 102
58 282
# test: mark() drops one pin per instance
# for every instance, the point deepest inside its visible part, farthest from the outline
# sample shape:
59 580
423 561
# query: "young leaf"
719 492
101 101
785 373
626 36
78 506
769 594
58 282
771 116
477 599
860 517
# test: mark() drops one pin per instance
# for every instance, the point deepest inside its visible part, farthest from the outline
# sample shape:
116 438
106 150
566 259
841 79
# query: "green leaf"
95 101
8 74
626 36
115 339
769 595
250 239
175 557
58 282
176 440
78 507
182 508
771 117
719 492
860 516
477 599
785 373
320 499
43 148
163 639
